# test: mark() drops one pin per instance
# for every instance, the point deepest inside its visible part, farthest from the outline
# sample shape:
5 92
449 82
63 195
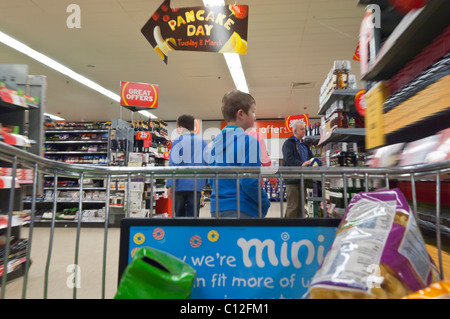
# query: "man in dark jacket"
295 153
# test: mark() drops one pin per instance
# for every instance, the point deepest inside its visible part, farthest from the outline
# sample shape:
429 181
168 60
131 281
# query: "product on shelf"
313 130
149 144
7 136
378 252
343 154
77 142
407 88
442 150
431 149
75 195
335 192
77 125
22 174
273 188
422 62
72 214
416 152
339 78
17 254
17 97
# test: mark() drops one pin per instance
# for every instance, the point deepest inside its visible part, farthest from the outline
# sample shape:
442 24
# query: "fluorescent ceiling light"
237 73
212 3
233 60
54 117
25 49
147 114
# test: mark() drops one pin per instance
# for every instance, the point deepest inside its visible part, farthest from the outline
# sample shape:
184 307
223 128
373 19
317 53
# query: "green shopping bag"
154 274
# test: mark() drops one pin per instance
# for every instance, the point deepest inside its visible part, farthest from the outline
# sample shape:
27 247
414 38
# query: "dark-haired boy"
188 149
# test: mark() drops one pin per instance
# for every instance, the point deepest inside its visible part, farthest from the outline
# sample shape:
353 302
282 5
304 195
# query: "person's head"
186 121
239 108
299 129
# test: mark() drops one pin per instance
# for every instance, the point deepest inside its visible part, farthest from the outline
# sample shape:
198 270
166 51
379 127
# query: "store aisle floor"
90 262
62 257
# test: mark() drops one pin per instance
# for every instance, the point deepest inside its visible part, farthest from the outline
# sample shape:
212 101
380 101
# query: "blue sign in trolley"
237 259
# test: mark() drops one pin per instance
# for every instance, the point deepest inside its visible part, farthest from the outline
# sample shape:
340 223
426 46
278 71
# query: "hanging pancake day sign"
220 29
138 96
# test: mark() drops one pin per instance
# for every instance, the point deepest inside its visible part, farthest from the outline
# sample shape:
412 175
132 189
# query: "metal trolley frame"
19 158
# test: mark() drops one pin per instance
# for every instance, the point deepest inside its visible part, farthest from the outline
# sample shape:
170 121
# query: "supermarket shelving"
400 48
26 118
347 95
344 135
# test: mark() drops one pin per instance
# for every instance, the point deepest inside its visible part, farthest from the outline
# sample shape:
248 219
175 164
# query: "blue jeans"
184 203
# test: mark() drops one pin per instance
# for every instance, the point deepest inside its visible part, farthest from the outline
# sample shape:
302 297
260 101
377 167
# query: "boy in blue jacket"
233 147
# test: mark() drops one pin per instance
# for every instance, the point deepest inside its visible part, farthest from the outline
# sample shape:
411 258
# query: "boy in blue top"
187 150
233 147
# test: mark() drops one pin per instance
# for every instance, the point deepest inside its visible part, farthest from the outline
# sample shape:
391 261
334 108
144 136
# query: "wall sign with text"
269 128
237 259
220 29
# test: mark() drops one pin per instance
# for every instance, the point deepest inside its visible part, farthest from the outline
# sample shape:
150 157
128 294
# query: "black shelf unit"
428 24
416 131
75 140
356 135
395 54
28 118
347 96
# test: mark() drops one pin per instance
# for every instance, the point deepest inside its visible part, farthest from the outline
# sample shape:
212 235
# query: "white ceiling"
288 41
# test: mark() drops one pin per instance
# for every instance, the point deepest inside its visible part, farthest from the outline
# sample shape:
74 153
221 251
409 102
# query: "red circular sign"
290 120
360 102
144 136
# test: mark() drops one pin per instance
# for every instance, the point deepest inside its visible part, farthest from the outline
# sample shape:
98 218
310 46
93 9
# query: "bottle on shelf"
344 75
351 121
352 82
335 79
336 193
334 158
342 155
350 156
360 158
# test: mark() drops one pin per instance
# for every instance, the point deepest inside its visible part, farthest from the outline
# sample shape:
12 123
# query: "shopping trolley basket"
40 166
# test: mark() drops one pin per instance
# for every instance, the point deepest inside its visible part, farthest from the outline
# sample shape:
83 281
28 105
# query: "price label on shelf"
375 98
